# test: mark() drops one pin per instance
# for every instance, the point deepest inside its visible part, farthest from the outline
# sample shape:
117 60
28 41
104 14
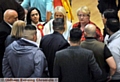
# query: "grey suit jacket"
75 64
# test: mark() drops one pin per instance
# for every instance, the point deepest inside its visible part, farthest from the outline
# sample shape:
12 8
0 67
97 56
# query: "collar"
90 37
32 42
8 24
37 23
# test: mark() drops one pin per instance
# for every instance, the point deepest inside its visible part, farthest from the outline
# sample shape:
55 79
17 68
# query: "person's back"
53 42
23 57
11 4
101 52
75 64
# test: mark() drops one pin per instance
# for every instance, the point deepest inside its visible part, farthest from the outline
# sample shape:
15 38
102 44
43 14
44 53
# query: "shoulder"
39 53
76 24
61 52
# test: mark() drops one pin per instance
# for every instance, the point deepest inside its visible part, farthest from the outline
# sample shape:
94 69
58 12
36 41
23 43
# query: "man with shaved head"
10 16
102 54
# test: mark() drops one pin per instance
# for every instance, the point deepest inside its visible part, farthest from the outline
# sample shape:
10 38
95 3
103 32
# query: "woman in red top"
83 14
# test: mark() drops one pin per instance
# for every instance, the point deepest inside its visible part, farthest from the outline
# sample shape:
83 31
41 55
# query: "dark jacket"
101 53
5 30
11 4
50 44
9 40
75 64
108 4
23 59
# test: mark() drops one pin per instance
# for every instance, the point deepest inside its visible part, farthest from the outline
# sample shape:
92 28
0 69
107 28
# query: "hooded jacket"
24 59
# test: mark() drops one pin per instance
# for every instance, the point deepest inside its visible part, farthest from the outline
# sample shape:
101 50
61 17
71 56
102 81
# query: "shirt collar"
31 42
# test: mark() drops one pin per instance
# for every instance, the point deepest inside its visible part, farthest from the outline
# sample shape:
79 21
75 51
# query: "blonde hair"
63 11
17 29
84 9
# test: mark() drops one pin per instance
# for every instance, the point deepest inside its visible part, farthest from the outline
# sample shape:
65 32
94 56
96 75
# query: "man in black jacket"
10 16
54 42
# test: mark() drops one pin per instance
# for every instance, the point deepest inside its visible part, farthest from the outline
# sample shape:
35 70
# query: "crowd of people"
37 40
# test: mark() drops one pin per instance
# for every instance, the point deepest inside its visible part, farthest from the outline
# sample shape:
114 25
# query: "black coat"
5 30
108 4
11 4
50 44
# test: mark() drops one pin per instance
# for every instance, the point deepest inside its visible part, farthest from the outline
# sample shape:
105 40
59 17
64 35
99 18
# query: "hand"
109 78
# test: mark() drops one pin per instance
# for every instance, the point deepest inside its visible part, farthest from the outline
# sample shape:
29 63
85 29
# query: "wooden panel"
92 4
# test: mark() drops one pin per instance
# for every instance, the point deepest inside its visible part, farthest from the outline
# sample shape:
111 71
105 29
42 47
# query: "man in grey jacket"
23 58
75 64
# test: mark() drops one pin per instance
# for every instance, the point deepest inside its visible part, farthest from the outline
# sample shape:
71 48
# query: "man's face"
83 18
34 16
13 18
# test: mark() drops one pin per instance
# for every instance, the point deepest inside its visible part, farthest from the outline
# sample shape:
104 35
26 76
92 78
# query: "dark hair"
30 27
110 13
58 24
28 18
113 24
75 35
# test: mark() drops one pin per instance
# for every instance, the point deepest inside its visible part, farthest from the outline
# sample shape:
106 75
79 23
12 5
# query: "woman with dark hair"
34 18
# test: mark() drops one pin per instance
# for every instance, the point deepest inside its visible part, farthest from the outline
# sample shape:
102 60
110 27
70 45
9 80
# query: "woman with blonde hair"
16 32
83 14
59 12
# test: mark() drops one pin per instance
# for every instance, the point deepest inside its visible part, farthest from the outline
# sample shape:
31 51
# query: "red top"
99 35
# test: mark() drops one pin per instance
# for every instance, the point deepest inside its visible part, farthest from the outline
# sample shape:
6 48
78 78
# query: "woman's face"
83 18
35 16
59 15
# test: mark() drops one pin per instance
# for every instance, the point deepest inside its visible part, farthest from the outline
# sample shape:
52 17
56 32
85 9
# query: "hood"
22 47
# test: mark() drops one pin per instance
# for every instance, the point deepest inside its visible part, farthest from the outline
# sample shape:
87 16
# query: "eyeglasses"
82 15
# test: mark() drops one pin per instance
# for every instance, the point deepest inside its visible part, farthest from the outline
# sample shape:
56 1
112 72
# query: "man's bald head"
90 30
10 16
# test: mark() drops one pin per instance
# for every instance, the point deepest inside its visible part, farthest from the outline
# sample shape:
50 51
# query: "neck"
74 44
84 24
61 32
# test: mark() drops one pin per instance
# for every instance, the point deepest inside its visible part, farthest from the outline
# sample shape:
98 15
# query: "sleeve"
47 27
6 69
69 28
39 61
107 52
49 5
95 69
25 4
